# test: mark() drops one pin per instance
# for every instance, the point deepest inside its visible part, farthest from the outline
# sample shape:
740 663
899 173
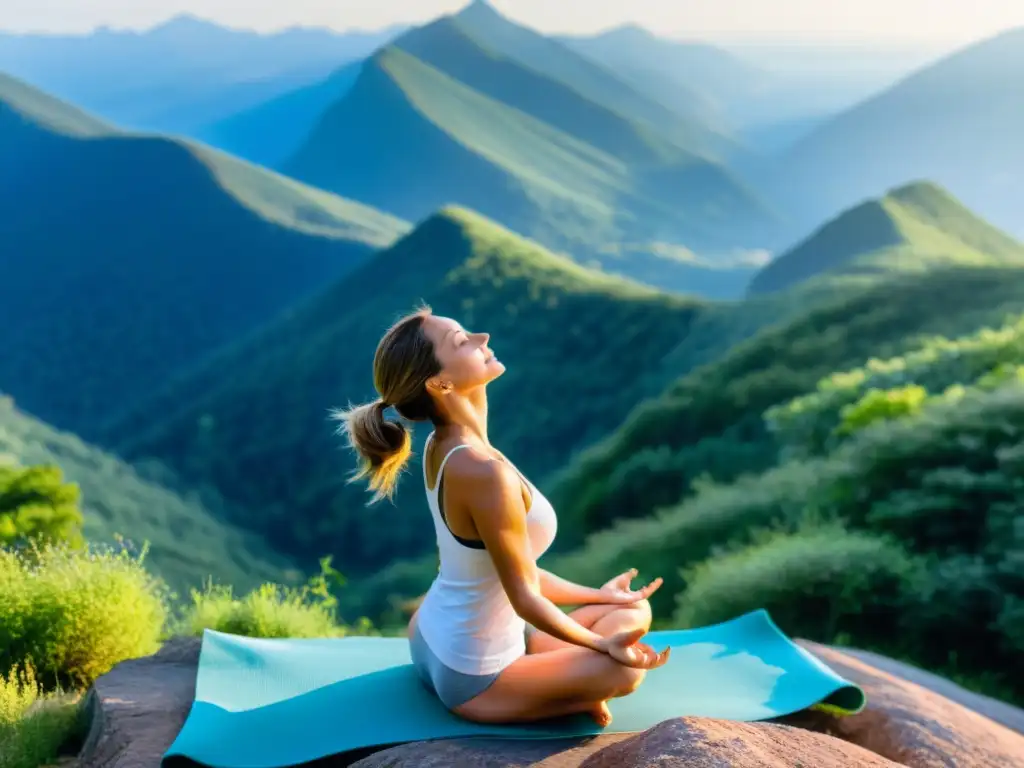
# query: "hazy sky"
926 21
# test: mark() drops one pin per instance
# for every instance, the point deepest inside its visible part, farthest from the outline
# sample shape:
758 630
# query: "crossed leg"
556 678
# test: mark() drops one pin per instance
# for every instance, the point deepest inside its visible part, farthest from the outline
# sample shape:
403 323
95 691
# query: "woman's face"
466 361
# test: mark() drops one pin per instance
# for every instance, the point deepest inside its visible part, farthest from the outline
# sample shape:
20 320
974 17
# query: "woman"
469 638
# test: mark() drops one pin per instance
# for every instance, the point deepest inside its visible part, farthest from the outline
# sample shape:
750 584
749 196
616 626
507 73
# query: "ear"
439 387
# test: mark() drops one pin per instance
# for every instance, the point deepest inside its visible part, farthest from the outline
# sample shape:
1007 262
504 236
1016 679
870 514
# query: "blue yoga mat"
270 703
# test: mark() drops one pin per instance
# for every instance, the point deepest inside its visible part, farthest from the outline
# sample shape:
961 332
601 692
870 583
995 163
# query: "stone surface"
912 725
696 742
139 707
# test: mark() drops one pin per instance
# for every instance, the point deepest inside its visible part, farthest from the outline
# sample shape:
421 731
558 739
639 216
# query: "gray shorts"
451 687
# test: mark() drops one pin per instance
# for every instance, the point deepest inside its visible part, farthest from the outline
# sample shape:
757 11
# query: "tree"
37 505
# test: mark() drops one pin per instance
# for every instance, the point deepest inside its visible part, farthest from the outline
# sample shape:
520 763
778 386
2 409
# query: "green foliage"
34 725
106 296
812 422
253 421
710 421
943 483
818 582
879 405
73 614
36 504
125 506
271 610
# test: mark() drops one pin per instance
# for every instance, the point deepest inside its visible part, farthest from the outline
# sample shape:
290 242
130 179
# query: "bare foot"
601 714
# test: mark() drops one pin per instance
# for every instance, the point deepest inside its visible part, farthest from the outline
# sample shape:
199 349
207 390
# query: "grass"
70 615
35 726
188 542
288 471
126 286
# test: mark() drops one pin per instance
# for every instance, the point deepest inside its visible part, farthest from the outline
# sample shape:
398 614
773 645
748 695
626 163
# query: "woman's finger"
651 588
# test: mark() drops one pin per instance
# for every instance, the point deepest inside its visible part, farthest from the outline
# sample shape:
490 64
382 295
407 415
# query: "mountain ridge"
914 227
127 282
462 265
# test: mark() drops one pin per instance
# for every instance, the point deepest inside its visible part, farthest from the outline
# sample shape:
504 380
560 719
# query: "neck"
466 415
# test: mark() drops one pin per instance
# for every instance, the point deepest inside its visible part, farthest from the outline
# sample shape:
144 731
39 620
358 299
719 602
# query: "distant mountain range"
126 257
443 116
182 74
958 122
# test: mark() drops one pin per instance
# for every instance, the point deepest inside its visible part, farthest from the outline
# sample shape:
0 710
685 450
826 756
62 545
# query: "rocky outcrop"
138 708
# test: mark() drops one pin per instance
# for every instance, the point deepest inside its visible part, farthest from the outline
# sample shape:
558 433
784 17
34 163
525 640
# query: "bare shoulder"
489 483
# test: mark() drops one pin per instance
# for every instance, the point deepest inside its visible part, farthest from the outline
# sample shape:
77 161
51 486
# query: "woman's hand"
626 648
619 592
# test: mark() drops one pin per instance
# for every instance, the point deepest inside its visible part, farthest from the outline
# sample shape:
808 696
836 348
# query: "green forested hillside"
912 229
709 421
253 422
957 121
601 84
410 139
447 46
188 542
894 522
126 256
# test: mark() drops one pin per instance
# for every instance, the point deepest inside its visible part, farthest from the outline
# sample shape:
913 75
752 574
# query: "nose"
482 338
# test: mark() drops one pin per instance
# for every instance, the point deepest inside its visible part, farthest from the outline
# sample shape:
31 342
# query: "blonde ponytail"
383 446
404 361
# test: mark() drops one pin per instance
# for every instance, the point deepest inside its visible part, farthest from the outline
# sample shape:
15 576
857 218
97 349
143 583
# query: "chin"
494 371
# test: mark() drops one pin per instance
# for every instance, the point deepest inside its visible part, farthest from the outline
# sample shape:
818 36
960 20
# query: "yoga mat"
270 703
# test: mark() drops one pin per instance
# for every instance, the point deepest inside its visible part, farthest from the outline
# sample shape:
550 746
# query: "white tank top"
466 617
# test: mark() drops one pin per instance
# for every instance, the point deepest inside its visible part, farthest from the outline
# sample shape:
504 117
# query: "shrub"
815 583
271 610
33 726
268 611
37 505
73 614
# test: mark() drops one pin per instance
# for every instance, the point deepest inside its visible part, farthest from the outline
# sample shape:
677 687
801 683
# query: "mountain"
959 122
600 84
134 255
409 139
271 132
708 423
695 79
188 543
182 73
449 46
253 423
913 228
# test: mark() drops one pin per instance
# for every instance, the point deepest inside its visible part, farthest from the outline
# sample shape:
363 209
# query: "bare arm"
493 494
564 592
